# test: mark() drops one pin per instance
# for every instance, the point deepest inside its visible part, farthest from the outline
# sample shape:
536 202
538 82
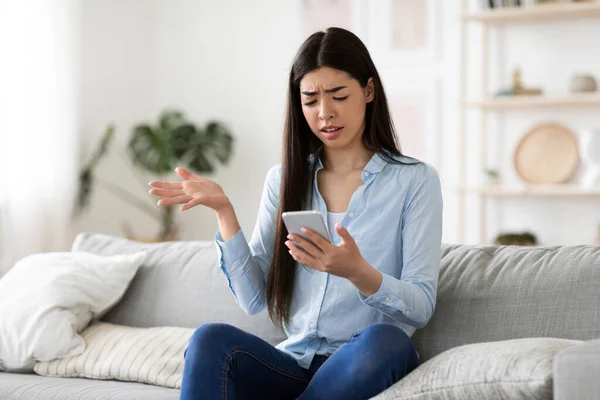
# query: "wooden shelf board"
574 100
538 13
534 190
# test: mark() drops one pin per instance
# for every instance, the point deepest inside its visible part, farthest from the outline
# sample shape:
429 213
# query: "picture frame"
405 32
318 15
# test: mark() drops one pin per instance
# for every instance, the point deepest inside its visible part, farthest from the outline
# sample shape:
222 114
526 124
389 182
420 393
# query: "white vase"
589 152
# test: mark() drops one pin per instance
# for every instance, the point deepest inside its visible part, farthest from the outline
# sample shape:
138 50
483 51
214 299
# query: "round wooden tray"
548 154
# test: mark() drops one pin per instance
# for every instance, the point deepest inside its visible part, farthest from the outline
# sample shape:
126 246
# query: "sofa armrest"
576 372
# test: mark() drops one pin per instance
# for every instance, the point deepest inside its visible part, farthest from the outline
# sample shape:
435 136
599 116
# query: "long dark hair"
342 50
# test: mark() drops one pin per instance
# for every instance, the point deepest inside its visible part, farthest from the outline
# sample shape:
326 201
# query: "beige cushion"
147 355
509 369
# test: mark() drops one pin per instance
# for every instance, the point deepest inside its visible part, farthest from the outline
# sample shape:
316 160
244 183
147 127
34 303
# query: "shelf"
535 14
572 101
488 197
534 190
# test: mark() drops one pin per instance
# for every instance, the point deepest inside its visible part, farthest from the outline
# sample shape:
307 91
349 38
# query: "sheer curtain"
38 122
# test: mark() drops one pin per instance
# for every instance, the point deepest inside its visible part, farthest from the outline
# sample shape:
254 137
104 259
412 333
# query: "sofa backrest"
180 284
485 293
490 293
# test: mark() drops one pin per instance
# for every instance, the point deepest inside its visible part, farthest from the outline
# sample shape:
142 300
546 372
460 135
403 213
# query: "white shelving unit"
546 12
537 190
485 104
507 103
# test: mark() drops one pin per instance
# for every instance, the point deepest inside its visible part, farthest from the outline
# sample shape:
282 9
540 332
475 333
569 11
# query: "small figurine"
517 88
492 176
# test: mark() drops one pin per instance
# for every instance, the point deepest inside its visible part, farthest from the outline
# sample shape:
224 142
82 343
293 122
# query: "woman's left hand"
343 260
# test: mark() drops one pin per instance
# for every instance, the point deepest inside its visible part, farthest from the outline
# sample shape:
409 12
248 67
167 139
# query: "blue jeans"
223 362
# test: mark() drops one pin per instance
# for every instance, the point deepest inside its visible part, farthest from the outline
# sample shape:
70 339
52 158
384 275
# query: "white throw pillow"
47 299
508 369
146 355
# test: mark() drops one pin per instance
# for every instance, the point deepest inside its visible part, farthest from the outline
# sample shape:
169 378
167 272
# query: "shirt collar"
375 164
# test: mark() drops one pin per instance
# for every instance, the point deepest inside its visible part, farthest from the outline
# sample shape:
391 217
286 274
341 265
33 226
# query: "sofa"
510 322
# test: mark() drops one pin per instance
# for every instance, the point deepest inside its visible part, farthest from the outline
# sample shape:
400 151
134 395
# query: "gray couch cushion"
576 372
508 369
34 387
489 293
180 284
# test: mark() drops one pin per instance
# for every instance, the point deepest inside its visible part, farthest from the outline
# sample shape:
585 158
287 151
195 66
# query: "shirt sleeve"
411 299
246 265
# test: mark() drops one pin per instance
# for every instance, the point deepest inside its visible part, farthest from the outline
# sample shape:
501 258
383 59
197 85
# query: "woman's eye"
310 103
340 98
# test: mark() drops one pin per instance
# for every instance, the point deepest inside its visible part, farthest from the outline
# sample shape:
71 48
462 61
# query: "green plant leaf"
150 150
105 142
200 163
86 183
170 119
221 141
86 175
181 138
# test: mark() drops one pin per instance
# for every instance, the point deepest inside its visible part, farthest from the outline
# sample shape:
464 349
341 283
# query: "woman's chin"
335 144
340 142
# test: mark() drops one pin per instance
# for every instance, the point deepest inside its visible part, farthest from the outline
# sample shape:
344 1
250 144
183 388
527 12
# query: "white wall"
229 60
118 85
223 59
236 68
142 56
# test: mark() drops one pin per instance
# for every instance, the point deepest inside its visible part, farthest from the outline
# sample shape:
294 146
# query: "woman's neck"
347 159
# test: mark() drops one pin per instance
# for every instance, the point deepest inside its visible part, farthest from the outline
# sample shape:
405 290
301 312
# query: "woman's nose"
325 111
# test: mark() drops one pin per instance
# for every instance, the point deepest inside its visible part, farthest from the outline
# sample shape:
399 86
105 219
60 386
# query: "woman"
348 307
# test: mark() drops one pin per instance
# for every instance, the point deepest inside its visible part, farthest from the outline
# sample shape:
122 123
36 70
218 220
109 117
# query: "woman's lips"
330 135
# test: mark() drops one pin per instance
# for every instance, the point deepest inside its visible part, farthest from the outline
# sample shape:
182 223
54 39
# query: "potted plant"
492 176
157 149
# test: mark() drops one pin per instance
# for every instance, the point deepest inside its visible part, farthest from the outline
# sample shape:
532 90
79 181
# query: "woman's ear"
369 90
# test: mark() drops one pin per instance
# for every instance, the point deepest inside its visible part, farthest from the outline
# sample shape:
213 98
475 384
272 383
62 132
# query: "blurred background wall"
225 60
229 60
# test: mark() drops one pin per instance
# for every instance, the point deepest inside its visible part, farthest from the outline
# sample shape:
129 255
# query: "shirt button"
366 173
351 214
312 326
387 298
322 287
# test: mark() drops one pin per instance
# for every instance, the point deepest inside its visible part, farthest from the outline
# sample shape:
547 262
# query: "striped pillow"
146 355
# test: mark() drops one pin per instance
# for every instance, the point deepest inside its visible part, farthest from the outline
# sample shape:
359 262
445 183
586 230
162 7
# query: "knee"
391 342
210 335
384 332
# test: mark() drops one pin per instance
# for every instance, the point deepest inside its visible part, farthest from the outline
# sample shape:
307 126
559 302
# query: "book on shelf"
485 5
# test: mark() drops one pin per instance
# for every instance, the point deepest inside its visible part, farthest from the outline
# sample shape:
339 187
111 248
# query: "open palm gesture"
190 192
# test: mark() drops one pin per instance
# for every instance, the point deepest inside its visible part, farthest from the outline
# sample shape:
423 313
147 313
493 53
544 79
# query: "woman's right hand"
192 191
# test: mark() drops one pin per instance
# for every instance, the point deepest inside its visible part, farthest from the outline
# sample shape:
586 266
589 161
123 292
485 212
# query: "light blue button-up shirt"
395 217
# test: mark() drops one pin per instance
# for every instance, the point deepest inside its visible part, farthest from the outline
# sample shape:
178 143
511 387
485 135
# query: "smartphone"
313 220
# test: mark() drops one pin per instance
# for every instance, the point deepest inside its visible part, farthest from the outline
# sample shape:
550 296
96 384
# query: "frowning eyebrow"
335 89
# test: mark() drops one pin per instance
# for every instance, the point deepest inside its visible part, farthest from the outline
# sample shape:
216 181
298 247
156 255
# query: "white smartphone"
313 220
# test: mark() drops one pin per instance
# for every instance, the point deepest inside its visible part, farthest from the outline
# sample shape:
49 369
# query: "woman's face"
334 106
